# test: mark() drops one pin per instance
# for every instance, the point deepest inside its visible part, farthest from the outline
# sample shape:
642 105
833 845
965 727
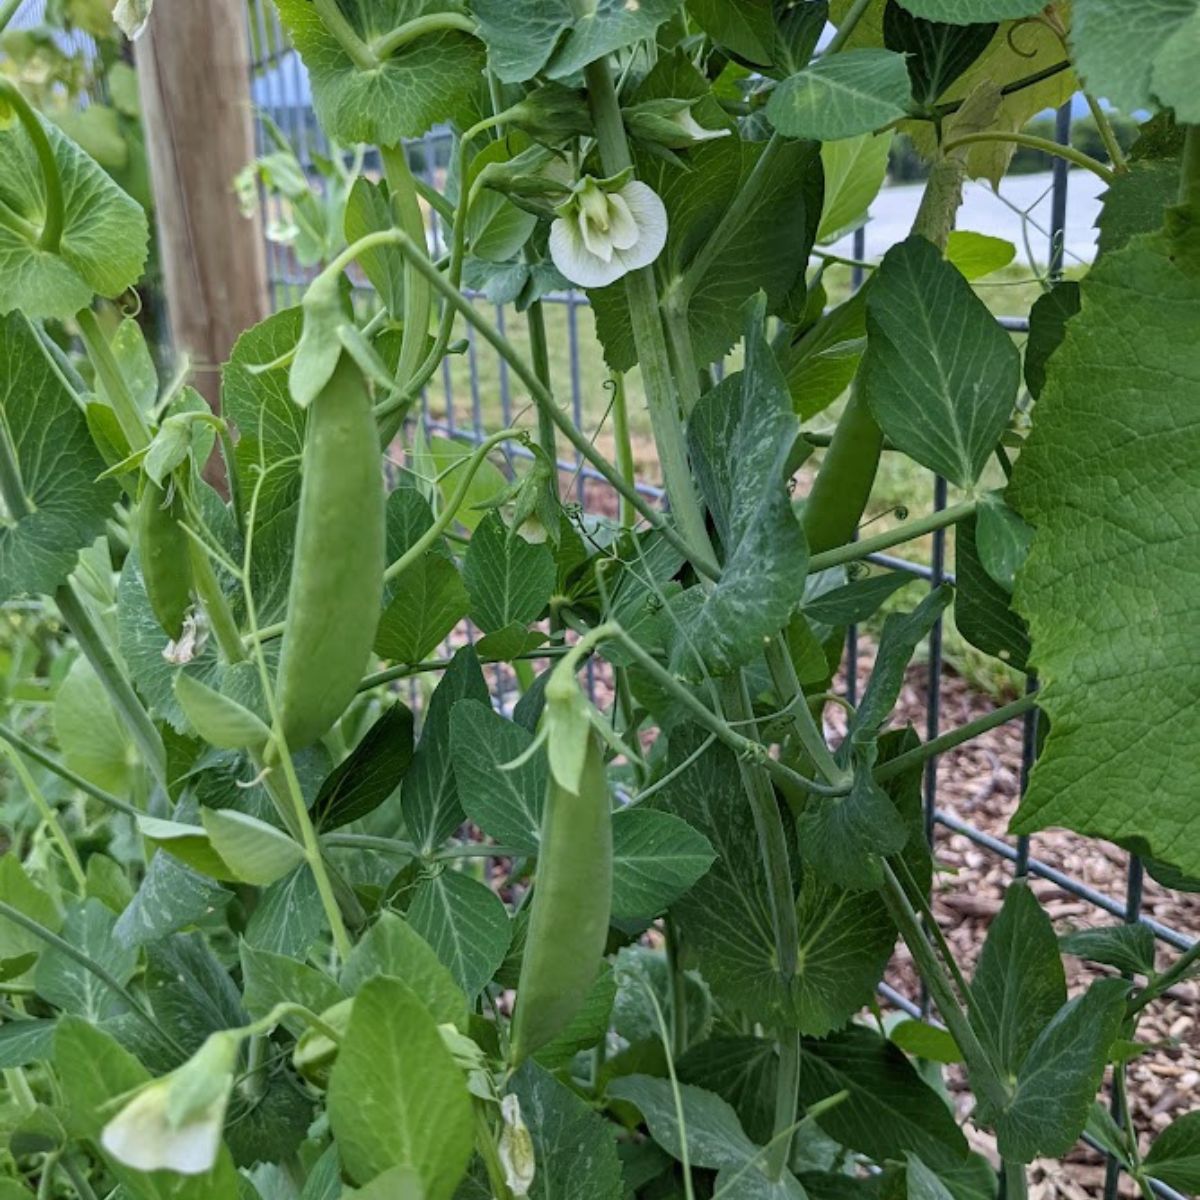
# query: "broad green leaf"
855 168
1105 588
741 437
978 254
56 464
940 374
429 79
425 603
506 803
269 979
190 844
855 601
1136 202
842 96
1174 1156
1102 32
429 794
965 12
1126 947
983 610
1061 1075
496 228
70 986
587 1027
396 1183
922 1183
93 738
1019 983
1047 326
508 578
25 1042
1002 538
820 364
437 463
104 238
937 53
191 993
218 719
656 858
573 1145
368 210
644 977
393 947
889 1111
466 924
922 1040
711 1130
370 773
93 1071
548 35
747 27
289 917
170 896
396 1097
743 1072
256 852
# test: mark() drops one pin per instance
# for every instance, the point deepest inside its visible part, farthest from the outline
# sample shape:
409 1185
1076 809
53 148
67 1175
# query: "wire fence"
280 91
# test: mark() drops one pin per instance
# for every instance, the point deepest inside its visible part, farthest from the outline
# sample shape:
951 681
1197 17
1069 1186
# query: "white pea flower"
606 229
131 16
174 1123
516 1148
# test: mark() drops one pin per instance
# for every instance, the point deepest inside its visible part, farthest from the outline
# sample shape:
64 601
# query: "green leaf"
1136 202
820 364
889 1111
393 947
429 79
509 579
466 924
1002 538
429 794
56 464
656 858
855 601
740 438
256 852
922 1183
854 172
574 1147
938 53
1061 1075
587 1027
441 459
396 1097
190 844
1126 947
69 985
940 374
426 602
526 40
1174 1157
269 979
1047 326
747 27
842 96
169 897
505 803
1102 32
18 890
190 992
965 12
104 239
25 1042
742 1071
1019 983
219 720
368 210
977 254
983 610
289 917
1116 675
94 740
922 1040
369 774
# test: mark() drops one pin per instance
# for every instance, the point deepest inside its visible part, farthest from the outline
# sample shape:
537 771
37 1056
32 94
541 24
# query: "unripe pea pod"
572 902
337 570
165 552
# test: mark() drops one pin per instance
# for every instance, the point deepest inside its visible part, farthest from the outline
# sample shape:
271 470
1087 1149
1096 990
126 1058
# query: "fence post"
193 67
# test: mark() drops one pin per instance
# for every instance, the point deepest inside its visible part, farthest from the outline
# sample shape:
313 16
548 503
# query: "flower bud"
668 123
516 1148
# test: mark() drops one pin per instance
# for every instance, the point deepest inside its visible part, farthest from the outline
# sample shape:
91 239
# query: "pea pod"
337 569
572 900
166 556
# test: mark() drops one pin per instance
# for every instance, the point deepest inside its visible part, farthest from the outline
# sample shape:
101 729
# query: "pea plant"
265 933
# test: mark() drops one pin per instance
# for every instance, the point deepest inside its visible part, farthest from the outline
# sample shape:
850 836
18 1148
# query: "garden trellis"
281 89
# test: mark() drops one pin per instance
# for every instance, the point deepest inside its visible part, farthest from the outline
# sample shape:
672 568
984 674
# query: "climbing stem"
131 418
849 22
906 532
1107 135
437 22
1045 145
52 228
624 446
539 348
787 1101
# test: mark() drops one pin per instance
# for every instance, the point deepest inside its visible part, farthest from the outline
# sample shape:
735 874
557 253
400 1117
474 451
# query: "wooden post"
194 72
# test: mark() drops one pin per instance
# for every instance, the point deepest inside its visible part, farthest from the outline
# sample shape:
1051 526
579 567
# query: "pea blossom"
607 228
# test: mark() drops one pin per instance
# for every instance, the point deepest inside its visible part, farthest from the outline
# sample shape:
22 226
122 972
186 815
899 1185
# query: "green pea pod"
166 557
572 901
337 570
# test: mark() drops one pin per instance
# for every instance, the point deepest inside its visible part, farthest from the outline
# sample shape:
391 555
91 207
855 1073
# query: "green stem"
984 1078
8 10
51 818
847 27
624 445
842 260
804 725
1016 1184
1177 971
1045 145
79 1182
439 22
954 737
787 1100
485 1144
407 670
220 615
843 485
39 931
129 416
15 223
907 532
96 650
52 230
679 1013
1018 85
1107 135
539 348
343 33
